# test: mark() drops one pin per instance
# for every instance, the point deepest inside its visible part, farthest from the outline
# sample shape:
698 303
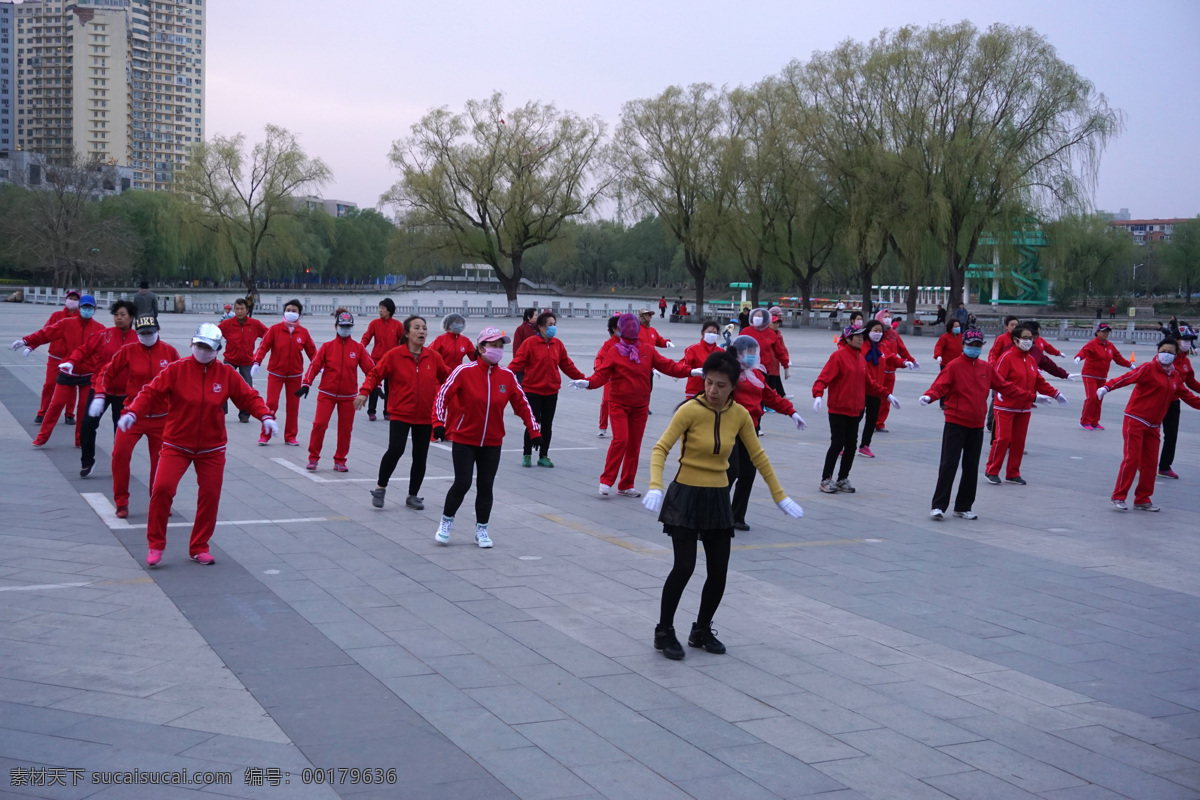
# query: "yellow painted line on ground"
604 537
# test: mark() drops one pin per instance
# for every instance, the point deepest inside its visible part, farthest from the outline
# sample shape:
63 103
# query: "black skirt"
701 512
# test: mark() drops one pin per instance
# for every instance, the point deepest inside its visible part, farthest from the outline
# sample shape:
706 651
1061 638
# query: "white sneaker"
937 513
443 532
966 514
630 492
605 489
1119 505
603 432
481 535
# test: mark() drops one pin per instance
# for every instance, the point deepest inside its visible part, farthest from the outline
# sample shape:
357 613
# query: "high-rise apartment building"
118 80
7 77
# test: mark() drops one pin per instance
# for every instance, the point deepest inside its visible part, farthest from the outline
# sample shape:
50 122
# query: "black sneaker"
1019 481
994 480
414 502
664 639
243 418
377 497
740 526
86 471
704 636
69 420
37 420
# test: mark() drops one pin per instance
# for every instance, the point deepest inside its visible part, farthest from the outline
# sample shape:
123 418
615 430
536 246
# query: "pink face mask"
492 355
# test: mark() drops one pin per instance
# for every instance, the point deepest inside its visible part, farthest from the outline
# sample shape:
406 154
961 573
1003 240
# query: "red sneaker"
293 443
263 438
340 468
312 464
865 452
122 512
204 559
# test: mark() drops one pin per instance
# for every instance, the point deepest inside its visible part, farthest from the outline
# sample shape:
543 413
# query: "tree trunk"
910 306
805 290
865 272
957 278
697 268
510 284
756 277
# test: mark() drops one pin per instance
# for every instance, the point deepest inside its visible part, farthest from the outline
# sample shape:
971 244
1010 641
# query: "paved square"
1049 649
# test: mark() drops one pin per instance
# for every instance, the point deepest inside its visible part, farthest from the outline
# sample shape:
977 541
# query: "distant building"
1148 230
8 73
334 208
30 170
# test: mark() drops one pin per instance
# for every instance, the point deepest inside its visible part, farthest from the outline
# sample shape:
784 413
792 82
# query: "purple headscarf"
628 328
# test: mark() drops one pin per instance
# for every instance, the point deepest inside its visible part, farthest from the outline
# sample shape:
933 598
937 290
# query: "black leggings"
397 439
741 474
843 436
1170 435
716 552
870 418
466 458
87 440
776 383
373 401
543 406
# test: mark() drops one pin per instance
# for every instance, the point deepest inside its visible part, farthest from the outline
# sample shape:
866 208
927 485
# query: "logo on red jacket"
216 387
299 340
163 364
353 354
502 388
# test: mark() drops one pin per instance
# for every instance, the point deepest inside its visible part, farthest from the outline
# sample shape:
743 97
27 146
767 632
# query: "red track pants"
48 387
291 423
885 408
1141 457
345 412
210 472
604 410
628 425
1091 405
1011 429
123 444
62 397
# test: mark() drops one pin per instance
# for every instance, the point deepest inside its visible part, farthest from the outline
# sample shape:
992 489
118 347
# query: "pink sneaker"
1167 473
293 443
153 557
1086 427
263 438
204 559
865 452
312 464
340 468
1098 427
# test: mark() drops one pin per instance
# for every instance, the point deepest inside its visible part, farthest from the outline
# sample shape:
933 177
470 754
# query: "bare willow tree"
243 198
491 184
56 223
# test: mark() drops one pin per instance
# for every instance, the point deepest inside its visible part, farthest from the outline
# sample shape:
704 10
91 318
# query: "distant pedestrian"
960 314
662 307
1112 312
940 319
145 301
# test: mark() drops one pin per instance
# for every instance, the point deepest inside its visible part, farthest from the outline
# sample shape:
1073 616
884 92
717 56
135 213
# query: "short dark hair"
390 305
1171 340
612 324
545 315
724 362
241 301
528 314
950 323
1010 318
144 285
1033 325
872 325
1017 331
710 323
125 304
294 302
854 314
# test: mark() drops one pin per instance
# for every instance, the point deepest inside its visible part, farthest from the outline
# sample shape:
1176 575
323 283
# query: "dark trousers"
741 474
87 441
959 444
843 438
467 458
1170 433
543 407
397 439
244 371
376 393
716 553
870 417
776 383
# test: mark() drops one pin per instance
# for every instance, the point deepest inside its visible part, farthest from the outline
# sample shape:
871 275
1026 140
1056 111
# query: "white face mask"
712 338
148 339
72 305
1166 359
290 317
344 332
1025 344
202 354
875 335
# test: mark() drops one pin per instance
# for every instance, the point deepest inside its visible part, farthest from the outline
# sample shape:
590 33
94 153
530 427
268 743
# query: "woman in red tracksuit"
629 367
193 391
1096 357
241 332
695 356
949 345
539 361
601 354
415 373
1155 385
137 364
338 361
891 343
55 354
1170 424
387 333
1019 367
91 357
781 366
288 343
64 335
880 362
846 377
469 411
452 346
769 340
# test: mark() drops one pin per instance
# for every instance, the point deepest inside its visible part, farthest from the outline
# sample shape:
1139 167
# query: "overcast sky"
351 77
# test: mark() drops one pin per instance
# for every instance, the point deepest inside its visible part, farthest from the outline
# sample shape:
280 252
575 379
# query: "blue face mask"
749 360
957 330
86 312
456 327
551 331
972 352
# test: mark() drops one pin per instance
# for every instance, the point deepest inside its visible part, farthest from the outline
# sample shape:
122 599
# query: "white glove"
1078 360
892 401
1044 399
653 500
697 373
271 427
937 359
910 365
787 373
915 365
926 399
670 343
27 352
18 344
67 368
817 404
1075 376
96 407
1062 399
790 507
126 422
579 384
1103 390
799 420
253 371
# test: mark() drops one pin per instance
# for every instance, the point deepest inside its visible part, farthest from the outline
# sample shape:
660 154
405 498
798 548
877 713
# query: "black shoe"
243 418
69 420
992 479
740 526
1017 480
37 420
664 639
704 636
377 497
86 471
414 502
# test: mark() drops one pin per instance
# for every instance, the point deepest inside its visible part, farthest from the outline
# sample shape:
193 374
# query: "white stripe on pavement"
40 586
283 462
108 514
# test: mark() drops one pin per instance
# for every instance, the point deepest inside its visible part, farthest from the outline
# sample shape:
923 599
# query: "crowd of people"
455 389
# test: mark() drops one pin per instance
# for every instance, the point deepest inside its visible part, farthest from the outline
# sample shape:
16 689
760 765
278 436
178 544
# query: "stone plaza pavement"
1048 649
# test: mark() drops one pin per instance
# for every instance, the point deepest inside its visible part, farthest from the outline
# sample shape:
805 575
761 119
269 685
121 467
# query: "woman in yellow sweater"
696 506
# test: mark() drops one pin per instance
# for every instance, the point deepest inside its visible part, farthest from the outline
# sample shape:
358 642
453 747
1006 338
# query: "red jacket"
240 338
845 376
386 334
694 357
888 362
340 359
769 342
97 350
523 332
782 357
1002 344
57 348
965 383
64 335
1046 346
1183 365
948 347
193 394
1098 356
287 349
133 366
1153 390
541 359
602 353
1021 370
631 383
413 383
646 333
452 347
892 342
753 398
470 405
